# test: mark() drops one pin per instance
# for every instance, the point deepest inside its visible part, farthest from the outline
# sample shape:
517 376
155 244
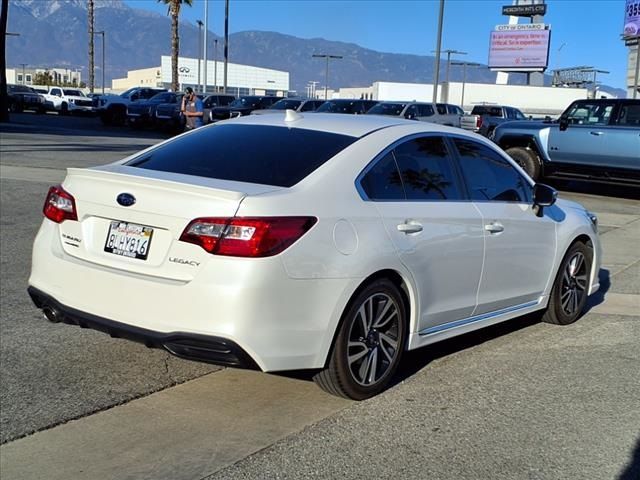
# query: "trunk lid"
164 204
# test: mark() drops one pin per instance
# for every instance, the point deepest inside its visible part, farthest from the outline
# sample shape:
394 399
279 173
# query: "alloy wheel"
574 284
373 341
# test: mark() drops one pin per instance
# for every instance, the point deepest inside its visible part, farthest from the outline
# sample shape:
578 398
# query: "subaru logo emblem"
126 199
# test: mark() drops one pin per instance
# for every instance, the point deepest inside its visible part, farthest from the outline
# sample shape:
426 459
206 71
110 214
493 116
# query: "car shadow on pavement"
415 360
632 469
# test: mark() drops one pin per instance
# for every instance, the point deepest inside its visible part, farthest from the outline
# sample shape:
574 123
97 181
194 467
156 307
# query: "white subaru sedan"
326 242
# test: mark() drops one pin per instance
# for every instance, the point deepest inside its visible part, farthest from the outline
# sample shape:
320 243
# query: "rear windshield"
491 111
261 154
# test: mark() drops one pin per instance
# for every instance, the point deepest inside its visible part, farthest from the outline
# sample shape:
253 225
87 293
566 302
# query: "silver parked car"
441 113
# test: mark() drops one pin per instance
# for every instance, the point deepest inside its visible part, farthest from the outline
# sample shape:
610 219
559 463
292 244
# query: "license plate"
128 240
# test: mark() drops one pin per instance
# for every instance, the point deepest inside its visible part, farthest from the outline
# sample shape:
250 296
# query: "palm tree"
91 58
173 9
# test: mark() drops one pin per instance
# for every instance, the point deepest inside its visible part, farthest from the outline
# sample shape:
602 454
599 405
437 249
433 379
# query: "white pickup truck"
67 100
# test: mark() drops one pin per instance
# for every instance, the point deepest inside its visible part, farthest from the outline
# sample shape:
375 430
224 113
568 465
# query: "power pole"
226 43
215 65
91 53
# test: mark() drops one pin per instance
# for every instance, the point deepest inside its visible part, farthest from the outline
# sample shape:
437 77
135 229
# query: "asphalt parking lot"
521 400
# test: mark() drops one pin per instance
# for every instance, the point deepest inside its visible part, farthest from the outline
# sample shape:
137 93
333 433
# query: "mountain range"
53 33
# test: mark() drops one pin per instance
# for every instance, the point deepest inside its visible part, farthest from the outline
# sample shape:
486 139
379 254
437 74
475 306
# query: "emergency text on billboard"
520 49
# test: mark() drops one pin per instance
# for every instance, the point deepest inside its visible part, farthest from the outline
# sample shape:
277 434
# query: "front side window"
425 110
490 177
426 169
382 181
518 114
589 113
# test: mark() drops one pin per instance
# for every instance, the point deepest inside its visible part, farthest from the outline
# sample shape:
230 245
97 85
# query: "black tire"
373 333
64 109
527 159
118 117
570 289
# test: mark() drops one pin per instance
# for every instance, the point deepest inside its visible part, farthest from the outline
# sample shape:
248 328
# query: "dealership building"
241 79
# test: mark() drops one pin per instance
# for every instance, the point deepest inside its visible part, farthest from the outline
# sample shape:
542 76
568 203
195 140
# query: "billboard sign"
524 10
631 27
519 49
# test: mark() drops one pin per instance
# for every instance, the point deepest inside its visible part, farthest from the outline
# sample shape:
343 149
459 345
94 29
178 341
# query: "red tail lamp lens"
59 205
248 236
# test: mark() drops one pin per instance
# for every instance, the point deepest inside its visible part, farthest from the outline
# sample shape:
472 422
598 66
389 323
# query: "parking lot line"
184 432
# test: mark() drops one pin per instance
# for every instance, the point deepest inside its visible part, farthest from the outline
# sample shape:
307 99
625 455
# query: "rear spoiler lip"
208 187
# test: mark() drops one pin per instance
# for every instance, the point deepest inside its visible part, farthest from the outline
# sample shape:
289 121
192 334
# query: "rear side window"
266 155
426 170
383 182
490 177
629 115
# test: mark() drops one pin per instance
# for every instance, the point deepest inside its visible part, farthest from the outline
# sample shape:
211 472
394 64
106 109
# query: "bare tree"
174 11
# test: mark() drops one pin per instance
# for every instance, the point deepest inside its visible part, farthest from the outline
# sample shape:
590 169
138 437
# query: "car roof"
352 125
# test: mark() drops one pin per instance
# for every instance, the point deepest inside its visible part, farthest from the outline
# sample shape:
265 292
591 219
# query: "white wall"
419 92
242 76
531 100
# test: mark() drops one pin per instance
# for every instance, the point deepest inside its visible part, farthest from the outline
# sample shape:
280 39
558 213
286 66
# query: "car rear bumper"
280 322
202 348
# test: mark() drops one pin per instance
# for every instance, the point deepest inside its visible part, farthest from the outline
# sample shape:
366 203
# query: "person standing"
192 109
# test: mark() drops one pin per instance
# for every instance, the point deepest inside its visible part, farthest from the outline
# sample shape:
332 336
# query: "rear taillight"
59 205
248 236
478 121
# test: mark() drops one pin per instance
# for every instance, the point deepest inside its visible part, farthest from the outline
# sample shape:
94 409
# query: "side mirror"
409 116
543 196
564 124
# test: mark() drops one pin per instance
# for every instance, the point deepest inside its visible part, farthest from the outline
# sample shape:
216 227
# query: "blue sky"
583 32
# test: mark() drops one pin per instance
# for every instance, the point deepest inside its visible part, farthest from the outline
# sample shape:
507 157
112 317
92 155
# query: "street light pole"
215 65
438 48
199 23
464 76
205 81
449 52
326 80
24 81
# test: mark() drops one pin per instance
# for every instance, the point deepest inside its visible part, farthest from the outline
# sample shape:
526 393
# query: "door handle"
597 134
412 227
494 227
